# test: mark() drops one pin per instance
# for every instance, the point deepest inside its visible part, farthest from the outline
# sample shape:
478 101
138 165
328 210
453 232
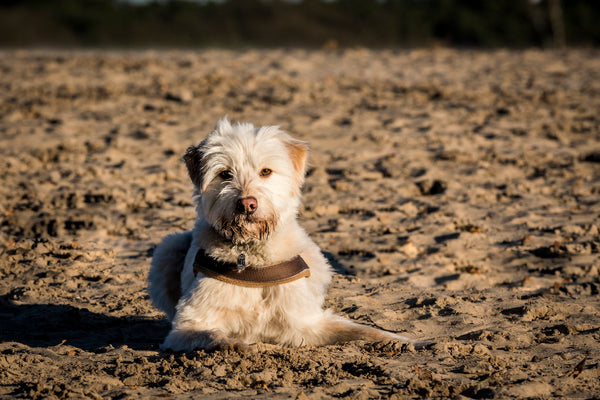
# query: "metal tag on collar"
241 262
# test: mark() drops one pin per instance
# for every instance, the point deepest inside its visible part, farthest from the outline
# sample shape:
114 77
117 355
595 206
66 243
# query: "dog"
247 272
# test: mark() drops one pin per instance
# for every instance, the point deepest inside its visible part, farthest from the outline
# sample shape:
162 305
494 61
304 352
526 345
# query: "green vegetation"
310 23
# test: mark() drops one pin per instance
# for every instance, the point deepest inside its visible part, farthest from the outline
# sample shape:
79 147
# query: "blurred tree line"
309 23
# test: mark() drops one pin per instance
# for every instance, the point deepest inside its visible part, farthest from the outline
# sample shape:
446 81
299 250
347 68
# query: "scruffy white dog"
247 272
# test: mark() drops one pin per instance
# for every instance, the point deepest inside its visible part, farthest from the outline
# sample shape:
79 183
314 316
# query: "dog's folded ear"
193 162
298 151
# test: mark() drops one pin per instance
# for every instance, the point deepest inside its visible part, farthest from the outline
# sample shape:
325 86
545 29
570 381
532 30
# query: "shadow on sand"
41 325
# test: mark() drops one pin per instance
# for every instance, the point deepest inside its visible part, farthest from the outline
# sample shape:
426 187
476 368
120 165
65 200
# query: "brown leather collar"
277 274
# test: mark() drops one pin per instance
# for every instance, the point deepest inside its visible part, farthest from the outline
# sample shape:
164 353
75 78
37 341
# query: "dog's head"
248 178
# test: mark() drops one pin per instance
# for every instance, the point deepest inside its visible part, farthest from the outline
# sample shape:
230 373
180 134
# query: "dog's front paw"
223 344
183 340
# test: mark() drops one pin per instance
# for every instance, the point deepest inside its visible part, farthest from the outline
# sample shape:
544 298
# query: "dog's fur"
210 314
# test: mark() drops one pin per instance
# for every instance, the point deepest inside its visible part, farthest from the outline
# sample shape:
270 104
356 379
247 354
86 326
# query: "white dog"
247 272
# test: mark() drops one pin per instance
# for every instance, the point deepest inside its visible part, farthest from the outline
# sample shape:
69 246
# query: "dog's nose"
247 205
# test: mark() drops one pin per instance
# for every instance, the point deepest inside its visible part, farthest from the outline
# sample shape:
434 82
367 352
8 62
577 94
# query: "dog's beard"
242 228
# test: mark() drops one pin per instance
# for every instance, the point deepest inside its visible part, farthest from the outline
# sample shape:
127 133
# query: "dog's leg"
213 315
165 274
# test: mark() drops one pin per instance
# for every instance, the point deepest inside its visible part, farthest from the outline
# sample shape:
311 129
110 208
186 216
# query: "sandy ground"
456 192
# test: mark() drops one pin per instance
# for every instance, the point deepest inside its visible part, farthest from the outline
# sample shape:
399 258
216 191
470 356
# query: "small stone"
182 96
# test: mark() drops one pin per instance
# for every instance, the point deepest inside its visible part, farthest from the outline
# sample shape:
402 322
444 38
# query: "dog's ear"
298 152
223 125
193 163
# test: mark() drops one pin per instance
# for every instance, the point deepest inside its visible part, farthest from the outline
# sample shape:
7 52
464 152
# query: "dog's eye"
265 172
226 175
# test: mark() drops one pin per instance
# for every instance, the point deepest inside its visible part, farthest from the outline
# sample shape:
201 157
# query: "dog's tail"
165 272
336 329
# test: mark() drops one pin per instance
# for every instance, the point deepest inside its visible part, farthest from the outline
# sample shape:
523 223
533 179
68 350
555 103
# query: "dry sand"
456 192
